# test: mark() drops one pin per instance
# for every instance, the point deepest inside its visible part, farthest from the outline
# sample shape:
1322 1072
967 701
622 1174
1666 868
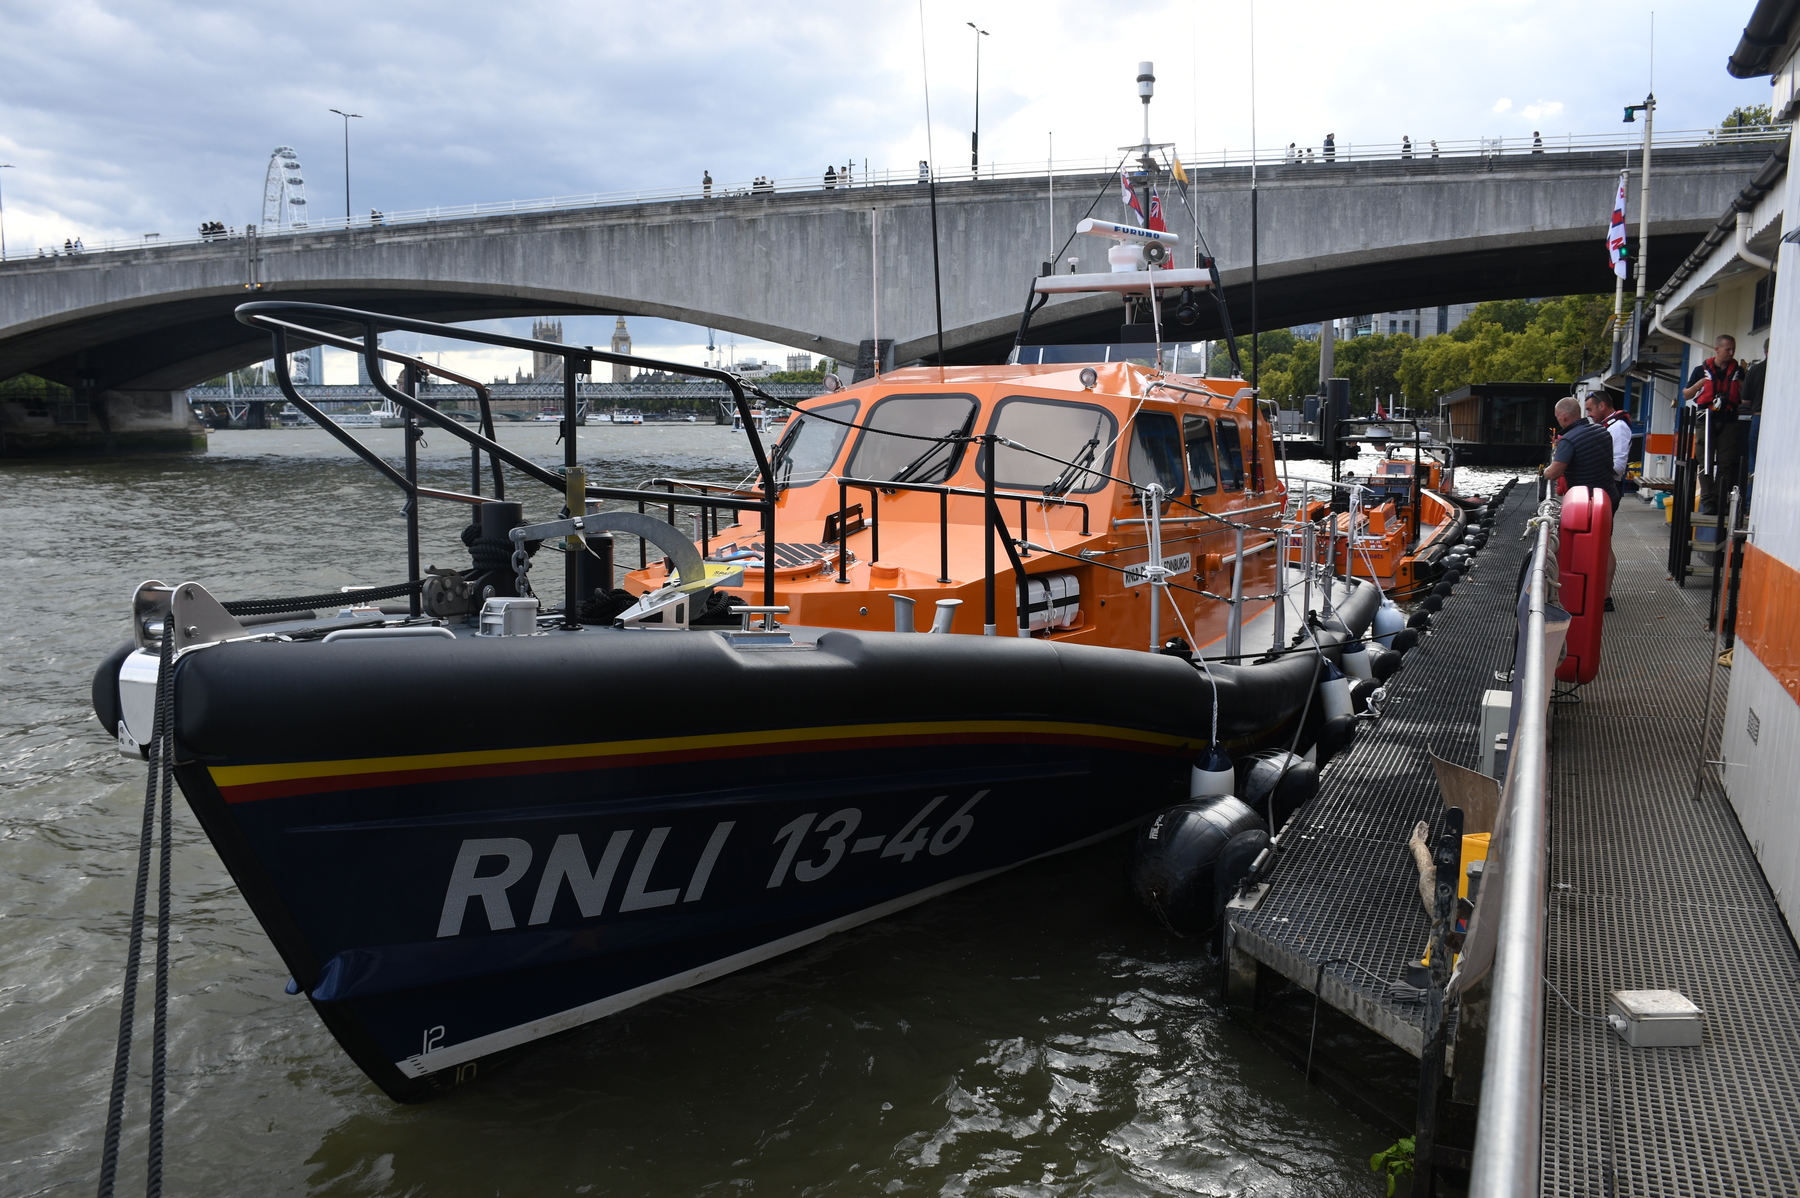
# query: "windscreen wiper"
1066 479
907 471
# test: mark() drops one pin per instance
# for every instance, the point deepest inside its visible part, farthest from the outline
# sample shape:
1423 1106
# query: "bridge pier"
98 422
865 358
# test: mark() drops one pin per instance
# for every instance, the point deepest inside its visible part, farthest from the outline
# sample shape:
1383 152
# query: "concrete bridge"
799 269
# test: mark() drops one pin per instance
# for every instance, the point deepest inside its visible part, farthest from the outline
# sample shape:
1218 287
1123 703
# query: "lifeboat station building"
1728 285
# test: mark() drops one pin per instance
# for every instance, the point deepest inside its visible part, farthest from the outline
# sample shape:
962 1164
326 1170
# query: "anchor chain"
521 564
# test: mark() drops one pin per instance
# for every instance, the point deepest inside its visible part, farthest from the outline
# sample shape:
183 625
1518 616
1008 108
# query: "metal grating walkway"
1653 890
1344 909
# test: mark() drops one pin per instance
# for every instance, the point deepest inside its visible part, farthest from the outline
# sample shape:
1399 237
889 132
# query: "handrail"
1475 150
972 492
1509 1136
268 314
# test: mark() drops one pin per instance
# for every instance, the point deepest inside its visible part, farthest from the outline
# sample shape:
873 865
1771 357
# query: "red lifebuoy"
1582 552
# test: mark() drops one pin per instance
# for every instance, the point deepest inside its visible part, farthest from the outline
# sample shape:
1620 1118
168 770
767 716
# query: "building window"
1765 303
1406 326
1393 325
1444 319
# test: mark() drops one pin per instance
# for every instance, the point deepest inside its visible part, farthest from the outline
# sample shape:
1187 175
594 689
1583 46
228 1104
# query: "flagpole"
1643 259
1618 285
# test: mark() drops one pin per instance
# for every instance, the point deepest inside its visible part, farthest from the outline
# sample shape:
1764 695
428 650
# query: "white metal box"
1654 1018
508 616
1496 715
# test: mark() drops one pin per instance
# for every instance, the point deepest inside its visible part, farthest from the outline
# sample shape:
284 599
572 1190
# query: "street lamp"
4 166
1641 263
347 118
975 138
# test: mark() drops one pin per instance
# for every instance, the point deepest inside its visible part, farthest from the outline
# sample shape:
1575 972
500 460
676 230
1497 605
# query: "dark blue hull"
452 886
455 920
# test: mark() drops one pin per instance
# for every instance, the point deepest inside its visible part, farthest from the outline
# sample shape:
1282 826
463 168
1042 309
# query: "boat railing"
708 499
992 521
296 320
1508 1138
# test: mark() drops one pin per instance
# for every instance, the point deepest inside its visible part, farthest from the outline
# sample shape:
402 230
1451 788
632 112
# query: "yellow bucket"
1474 848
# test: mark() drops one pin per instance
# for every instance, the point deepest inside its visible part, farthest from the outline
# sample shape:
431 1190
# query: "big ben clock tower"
621 344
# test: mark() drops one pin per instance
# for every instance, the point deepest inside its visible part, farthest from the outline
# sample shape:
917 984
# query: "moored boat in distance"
1397 524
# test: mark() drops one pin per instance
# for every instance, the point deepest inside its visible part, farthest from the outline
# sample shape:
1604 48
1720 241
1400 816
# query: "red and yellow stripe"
250 783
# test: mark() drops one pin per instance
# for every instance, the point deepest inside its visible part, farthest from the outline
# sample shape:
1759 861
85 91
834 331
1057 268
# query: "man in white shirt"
1601 411
1617 425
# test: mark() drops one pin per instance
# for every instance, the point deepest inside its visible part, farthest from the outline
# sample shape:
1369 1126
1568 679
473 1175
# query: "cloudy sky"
122 119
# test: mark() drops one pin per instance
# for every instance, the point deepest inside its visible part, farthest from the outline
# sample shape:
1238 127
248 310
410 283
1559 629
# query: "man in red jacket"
1716 388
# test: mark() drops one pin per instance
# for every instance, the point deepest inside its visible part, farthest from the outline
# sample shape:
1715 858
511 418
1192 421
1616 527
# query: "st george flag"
1615 233
1130 197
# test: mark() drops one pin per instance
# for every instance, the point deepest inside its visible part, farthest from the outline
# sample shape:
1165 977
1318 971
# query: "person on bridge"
1434 151
706 185
1716 389
1406 146
830 178
1537 142
1330 147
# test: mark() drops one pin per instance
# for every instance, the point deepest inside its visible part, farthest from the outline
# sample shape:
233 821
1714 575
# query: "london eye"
284 191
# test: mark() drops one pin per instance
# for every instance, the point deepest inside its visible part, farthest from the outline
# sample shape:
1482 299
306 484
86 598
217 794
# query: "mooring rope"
264 607
161 768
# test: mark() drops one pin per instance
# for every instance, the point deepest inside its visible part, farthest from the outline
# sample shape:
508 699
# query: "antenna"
937 286
1256 481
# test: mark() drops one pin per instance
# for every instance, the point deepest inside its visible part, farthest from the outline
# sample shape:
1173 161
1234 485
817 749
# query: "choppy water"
1030 1035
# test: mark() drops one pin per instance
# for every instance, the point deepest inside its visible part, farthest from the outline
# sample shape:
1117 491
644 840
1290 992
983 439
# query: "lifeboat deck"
1649 889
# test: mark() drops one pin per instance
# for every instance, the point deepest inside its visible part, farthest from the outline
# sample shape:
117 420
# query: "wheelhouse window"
1077 435
1231 456
811 445
1155 455
1203 464
889 448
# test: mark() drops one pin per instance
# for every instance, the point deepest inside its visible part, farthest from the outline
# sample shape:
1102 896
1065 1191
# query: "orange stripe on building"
1768 618
1659 442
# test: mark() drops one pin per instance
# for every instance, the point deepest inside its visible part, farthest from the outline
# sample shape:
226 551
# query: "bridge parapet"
1359 235
1477 154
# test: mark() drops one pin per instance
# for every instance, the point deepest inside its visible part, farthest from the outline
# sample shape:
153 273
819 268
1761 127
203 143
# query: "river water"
1034 1034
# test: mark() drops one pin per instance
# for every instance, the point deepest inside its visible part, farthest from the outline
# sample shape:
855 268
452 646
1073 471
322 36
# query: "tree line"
1502 341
